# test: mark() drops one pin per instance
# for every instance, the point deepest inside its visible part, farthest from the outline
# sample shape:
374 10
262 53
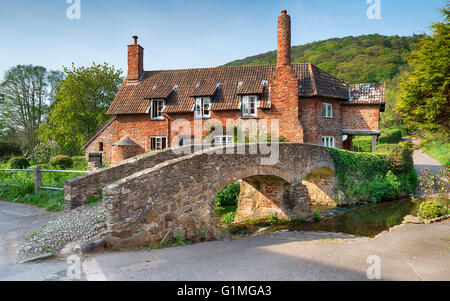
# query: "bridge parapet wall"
78 190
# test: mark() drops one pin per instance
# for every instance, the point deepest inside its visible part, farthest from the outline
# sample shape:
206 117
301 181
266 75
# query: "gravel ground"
66 233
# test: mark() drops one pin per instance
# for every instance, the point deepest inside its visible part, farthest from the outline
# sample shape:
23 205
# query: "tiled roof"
162 91
206 87
133 98
250 87
367 93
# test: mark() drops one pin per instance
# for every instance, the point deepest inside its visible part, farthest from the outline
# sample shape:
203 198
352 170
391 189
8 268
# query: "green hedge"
378 176
61 161
18 163
388 136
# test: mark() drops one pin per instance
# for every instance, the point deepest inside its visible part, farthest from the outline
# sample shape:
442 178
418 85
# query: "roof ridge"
221 67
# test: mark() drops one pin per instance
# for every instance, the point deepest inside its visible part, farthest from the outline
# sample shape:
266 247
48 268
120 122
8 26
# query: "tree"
82 100
424 98
26 94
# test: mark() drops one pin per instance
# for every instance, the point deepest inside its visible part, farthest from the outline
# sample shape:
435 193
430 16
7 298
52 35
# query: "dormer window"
156 107
249 103
202 107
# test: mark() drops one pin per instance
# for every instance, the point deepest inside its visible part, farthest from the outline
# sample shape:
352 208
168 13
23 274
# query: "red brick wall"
139 128
360 117
108 137
316 125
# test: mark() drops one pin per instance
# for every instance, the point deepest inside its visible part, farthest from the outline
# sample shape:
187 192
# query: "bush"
430 209
375 176
228 218
9 150
18 163
61 161
79 163
228 195
388 136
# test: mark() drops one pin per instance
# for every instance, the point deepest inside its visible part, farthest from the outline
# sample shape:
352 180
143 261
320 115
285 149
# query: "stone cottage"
311 106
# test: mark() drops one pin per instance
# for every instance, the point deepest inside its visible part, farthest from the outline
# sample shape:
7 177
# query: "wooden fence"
38 176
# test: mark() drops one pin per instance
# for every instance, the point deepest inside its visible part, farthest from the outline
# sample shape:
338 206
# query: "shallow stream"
365 220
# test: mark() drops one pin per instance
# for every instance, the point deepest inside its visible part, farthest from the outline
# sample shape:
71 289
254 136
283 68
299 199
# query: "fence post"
37 178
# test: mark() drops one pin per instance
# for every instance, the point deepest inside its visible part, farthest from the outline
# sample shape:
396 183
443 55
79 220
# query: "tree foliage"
26 94
424 99
362 59
82 100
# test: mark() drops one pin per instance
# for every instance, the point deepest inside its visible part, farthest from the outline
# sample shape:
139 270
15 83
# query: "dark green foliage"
8 150
424 98
388 136
362 59
61 161
430 209
18 163
375 176
228 195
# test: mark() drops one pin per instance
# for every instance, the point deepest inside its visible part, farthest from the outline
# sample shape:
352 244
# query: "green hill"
362 59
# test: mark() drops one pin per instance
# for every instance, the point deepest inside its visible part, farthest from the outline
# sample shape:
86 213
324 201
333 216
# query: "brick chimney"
135 61
284 39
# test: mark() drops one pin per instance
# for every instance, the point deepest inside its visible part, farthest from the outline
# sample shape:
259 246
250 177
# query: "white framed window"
223 140
249 104
202 107
327 110
156 107
158 142
328 141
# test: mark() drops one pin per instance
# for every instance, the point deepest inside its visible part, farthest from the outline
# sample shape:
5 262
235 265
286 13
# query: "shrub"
79 163
64 162
388 136
430 209
375 176
228 218
228 195
9 150
18 163
44 151
316 215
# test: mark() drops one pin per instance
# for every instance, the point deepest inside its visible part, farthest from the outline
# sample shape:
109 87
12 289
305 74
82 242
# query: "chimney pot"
284 12
135 38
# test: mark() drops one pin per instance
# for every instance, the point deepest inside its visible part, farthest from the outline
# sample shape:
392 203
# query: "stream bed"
364 220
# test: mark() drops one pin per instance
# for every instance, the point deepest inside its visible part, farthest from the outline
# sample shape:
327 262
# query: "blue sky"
187 33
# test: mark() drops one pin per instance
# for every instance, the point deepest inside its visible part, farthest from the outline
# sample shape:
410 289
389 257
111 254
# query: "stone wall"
78 190
177 196
321 185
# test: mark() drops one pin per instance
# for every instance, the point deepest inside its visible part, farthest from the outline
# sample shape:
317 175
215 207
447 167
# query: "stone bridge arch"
177 196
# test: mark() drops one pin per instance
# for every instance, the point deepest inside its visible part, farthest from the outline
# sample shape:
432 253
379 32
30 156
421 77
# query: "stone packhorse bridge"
149 195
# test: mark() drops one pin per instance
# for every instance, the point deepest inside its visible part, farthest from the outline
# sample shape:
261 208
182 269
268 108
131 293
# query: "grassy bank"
437 145
23 189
